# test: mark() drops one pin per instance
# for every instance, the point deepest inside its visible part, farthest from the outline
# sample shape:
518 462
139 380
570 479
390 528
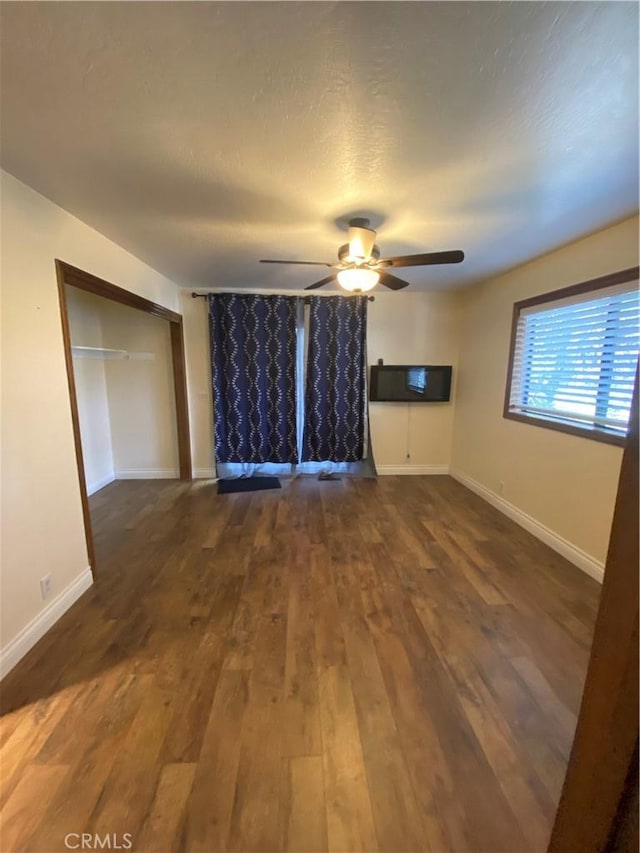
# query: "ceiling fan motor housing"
344 253
361 240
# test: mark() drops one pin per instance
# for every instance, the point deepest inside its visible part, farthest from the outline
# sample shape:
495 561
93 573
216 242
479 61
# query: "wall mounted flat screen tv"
415 383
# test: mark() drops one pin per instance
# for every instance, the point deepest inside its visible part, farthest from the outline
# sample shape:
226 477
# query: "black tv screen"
415 383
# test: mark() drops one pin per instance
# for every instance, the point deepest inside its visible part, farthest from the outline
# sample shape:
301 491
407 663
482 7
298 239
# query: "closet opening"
151 355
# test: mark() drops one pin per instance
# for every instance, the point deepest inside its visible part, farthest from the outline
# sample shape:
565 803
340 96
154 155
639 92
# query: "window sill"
589 432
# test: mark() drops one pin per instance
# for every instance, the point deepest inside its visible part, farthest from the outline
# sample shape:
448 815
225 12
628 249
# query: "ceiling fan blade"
427 259
321 283
307 263
392 281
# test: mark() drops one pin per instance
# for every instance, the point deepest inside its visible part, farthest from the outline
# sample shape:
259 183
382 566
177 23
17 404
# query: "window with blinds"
574 358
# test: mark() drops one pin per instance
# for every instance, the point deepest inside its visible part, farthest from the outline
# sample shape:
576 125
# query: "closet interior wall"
124 384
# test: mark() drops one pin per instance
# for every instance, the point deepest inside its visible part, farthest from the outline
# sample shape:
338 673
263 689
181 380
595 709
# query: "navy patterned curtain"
335 391
253 355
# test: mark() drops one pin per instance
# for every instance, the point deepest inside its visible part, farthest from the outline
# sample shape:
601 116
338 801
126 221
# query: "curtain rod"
195 295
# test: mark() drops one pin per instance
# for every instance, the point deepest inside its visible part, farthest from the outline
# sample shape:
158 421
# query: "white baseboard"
94 487
26 639
147 474
385 470
575 555
161 474
205 474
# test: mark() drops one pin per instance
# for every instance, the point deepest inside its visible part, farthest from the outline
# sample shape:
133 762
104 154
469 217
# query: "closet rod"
195 295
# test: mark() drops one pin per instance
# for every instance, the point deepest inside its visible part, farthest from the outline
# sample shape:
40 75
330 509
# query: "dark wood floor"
344 666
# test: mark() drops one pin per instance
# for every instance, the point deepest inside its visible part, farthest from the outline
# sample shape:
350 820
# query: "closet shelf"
106 353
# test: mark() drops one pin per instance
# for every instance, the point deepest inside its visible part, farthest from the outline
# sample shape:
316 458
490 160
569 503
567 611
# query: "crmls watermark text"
93 841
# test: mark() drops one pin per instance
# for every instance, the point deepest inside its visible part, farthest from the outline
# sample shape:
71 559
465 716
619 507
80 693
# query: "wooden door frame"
66 274
598 809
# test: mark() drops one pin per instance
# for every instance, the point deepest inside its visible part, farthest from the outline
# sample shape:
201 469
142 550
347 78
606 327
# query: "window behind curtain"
260 347
253 356
335 391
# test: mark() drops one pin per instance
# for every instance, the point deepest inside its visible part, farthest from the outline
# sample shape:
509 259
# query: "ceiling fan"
360 266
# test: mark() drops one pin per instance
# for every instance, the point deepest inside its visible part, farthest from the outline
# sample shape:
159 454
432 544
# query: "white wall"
413 328
85 328
403 328
565 483
42 530
140 391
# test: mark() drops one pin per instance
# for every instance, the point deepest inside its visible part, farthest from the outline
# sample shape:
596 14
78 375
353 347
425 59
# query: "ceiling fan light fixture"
360 266
358 280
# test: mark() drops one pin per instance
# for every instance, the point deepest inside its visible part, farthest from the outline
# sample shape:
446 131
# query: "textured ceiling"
204 136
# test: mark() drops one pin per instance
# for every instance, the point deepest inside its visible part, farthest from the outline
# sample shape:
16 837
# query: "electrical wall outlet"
501 487
45 587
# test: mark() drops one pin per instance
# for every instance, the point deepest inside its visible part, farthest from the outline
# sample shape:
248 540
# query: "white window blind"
575 360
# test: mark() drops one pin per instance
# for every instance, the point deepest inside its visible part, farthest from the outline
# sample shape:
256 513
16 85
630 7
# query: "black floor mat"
247 484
